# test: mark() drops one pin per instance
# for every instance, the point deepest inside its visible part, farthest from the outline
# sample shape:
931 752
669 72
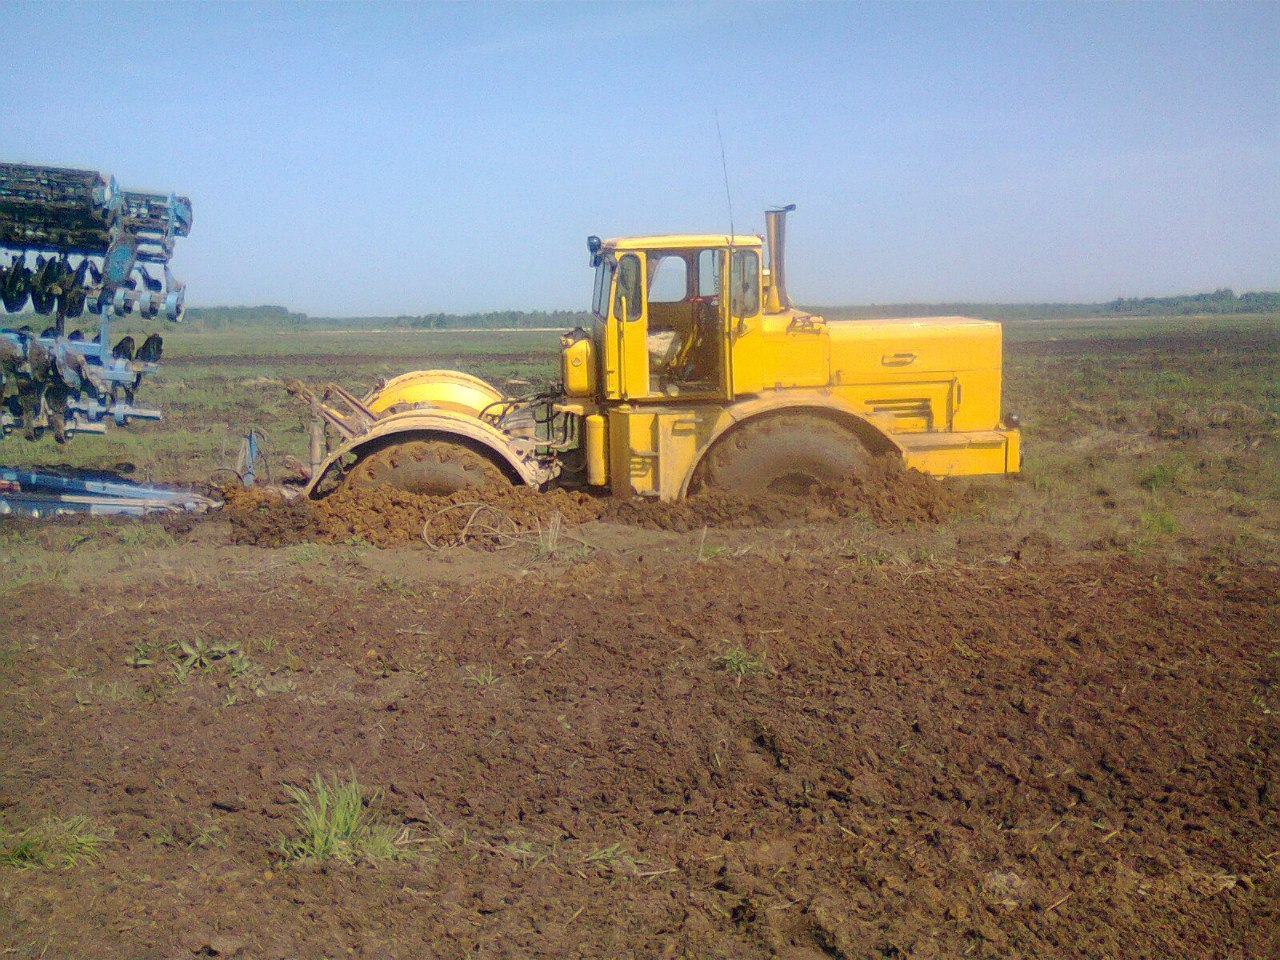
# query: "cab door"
742 317
697 363
717 264
626 363
697 319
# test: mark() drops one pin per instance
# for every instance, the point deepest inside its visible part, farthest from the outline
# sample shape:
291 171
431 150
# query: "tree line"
1222 301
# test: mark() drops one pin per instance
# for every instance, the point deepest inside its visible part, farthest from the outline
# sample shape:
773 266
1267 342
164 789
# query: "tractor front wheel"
434 468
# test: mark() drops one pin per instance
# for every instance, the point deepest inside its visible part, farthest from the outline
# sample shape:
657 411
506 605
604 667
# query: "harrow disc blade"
124 349
14 283
151 349
72 302
42 302
15 289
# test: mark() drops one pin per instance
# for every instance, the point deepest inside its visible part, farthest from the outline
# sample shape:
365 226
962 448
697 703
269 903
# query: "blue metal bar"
250 458
38 480
36 493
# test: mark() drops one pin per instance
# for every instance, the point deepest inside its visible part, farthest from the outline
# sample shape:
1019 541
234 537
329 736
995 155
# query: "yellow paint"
597 450
441 389
683 241
578 365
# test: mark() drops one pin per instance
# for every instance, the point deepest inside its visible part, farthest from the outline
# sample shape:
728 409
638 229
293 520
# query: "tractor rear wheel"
434 468
789 454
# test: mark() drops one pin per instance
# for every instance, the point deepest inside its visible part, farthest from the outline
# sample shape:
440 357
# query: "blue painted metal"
99 386
121 237
82 213
40 494
250 457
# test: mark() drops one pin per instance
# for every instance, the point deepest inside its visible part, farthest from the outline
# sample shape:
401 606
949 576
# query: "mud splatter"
886 494
386 517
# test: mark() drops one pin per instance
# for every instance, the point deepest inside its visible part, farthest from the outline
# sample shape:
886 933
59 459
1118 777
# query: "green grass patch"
741 663
482 676
337 820
1158 520
53 843
1160 476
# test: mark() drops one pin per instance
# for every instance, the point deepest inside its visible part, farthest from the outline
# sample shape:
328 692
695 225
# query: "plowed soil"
885 494
1005 760
386 517
1035 718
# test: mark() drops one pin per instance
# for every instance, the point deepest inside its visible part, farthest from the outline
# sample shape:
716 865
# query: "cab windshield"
604 280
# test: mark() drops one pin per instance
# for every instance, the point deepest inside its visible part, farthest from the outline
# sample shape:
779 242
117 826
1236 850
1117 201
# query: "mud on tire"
427 467
789 453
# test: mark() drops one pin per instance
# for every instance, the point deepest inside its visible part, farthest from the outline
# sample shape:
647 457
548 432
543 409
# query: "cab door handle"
898 359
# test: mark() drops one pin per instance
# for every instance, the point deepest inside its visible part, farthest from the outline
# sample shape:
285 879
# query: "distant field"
1265 327
181 344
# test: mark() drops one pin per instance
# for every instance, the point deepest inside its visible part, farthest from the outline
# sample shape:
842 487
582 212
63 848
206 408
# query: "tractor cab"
662 326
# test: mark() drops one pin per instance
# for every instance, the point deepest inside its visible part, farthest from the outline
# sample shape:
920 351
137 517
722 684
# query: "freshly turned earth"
1025 718
385 517
1068 757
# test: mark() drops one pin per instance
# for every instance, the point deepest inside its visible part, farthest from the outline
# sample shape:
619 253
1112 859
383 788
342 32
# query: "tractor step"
952 454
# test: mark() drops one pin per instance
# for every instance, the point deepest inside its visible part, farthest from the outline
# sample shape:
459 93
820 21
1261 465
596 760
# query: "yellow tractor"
697 372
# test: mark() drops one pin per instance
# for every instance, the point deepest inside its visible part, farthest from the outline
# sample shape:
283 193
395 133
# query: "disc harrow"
76 243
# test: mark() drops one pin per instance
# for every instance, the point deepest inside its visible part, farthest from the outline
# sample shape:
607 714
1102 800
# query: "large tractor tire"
429 467
789 454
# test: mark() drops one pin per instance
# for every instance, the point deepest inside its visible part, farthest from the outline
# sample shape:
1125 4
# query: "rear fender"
516 457
875 438
441 389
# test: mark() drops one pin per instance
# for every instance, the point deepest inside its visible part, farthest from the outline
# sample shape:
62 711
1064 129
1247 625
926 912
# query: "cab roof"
677 241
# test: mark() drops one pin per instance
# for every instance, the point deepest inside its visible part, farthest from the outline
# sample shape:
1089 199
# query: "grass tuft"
54 842
338 822
1158 520
1161 476
741 662
482 677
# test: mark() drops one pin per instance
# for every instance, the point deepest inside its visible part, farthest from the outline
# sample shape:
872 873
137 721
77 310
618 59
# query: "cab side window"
744 284
629 287
709 273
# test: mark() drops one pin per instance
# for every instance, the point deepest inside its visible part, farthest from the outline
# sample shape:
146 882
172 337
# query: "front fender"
518 457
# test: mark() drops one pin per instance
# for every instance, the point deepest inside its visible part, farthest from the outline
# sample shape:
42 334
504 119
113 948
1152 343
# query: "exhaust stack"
776 228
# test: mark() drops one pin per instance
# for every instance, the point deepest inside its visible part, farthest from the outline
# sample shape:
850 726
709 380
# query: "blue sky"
404 158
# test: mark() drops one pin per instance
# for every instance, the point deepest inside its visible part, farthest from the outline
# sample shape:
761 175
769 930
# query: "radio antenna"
724 166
